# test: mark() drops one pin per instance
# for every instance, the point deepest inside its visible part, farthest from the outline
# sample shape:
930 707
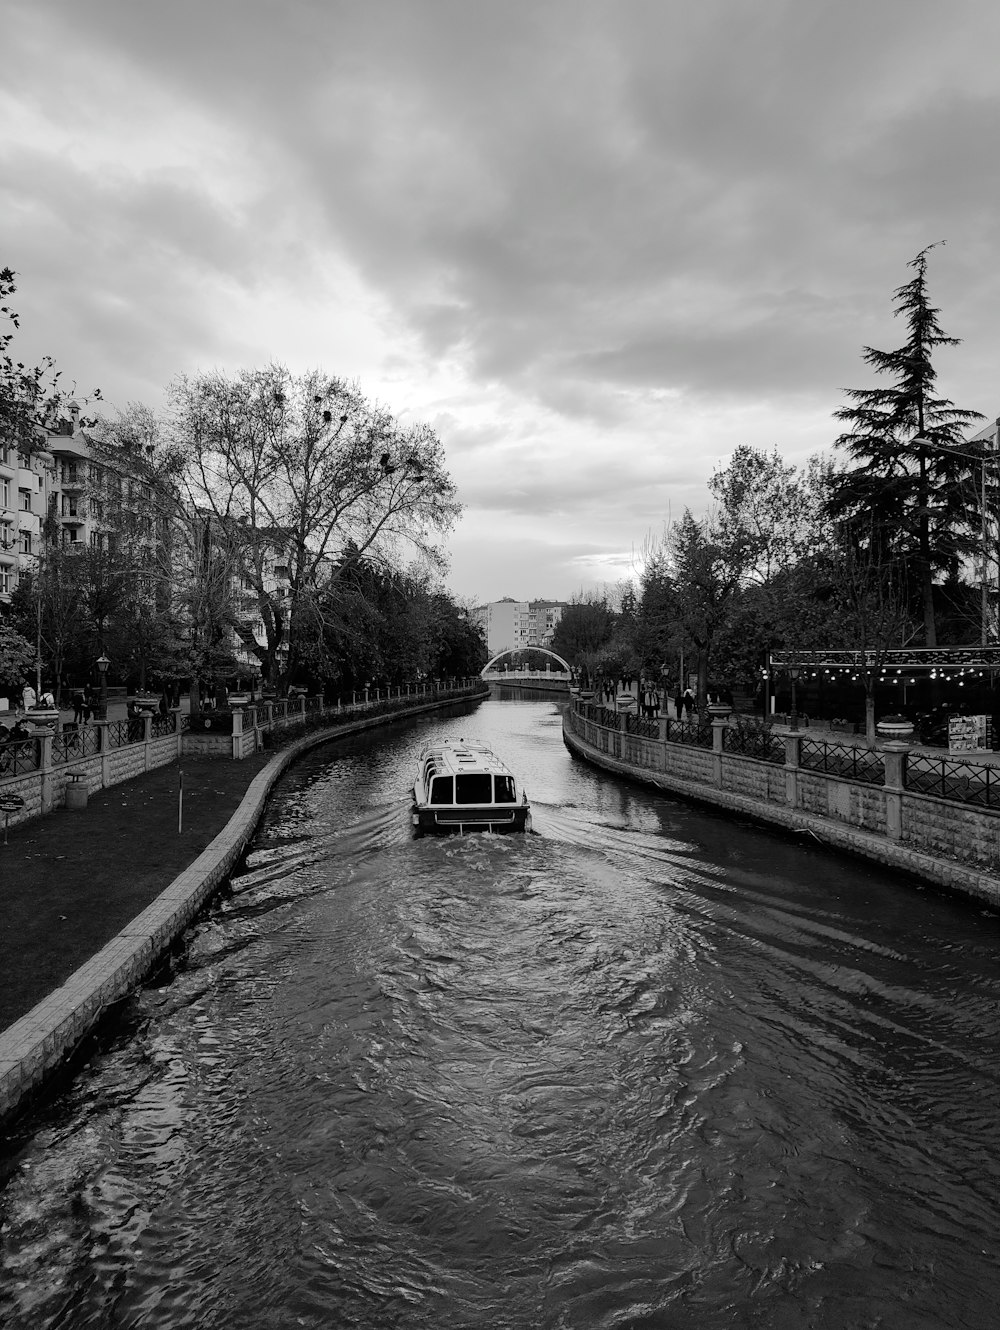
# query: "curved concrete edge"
955 877
34 1047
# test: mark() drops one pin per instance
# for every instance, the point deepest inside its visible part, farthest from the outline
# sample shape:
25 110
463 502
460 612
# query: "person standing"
27 697
679 703
688 702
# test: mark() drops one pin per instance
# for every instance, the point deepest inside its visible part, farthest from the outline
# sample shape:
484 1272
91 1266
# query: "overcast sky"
596 245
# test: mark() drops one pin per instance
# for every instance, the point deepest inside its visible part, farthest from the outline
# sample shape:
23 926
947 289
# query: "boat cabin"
466 786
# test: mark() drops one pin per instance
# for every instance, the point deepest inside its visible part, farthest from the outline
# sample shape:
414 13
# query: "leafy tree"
587 624
656 630
17 656
869 606
48 602
30 396
767 509
708 576
901 439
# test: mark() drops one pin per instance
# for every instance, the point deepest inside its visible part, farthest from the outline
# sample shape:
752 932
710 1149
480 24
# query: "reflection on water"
644 1067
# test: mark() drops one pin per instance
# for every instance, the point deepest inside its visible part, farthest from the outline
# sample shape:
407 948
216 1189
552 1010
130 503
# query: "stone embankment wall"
939 840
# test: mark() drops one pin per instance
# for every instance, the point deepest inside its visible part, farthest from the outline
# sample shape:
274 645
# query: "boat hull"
462 821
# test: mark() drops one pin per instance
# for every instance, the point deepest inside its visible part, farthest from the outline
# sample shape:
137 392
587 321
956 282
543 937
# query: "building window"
25 500
6 583
25 542
4 493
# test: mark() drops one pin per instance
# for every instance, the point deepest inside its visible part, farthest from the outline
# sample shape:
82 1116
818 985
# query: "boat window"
443 790
504 789
474 787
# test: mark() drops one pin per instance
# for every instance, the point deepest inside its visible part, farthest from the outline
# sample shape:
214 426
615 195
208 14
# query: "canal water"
646 1067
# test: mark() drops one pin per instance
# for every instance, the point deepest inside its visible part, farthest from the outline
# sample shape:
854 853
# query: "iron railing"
762 744
946 778
864 765
647 727
162 726
694 733
75 742
18 756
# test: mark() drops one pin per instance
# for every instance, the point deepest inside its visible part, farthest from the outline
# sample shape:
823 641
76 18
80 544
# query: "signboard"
968 734
9 803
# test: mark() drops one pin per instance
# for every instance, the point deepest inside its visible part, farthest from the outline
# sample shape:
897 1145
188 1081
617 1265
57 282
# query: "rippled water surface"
645 1067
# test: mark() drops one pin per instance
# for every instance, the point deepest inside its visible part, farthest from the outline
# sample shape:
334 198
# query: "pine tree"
907 481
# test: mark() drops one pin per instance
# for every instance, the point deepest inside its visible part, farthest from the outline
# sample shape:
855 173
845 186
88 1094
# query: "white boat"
464 787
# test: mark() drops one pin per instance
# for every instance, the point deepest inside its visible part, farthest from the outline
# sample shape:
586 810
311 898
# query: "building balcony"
64 445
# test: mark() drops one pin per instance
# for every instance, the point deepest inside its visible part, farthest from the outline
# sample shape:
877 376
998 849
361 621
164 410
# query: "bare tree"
303 474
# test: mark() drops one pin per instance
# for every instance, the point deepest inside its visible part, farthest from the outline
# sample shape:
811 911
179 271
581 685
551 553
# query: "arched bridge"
558 678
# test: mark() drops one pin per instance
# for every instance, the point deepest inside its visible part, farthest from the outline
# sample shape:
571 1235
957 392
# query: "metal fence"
647 727
162 726
695 733
760 743
964 782
854 763
74 742
18 756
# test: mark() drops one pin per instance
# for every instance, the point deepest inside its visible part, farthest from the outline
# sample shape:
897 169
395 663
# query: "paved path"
70 881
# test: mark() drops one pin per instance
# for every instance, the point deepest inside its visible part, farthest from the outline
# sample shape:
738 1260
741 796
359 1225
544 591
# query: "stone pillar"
147 735
45 770
793 742
894 755
104 748
719 725
237 733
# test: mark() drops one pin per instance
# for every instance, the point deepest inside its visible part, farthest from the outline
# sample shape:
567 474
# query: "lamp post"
793 673
48 464
102 668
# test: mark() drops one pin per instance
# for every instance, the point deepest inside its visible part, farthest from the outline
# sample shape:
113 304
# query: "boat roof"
463 755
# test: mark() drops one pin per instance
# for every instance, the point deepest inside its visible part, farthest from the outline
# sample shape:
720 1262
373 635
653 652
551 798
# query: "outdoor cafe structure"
909 681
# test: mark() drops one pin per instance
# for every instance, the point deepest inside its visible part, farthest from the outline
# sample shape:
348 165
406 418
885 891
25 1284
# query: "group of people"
30 699
10 737
652 699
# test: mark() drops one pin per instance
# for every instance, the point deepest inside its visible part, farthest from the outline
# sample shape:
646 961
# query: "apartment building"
513 625
24 501
76 494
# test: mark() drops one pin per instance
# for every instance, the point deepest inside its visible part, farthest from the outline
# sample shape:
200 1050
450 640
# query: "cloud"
599 246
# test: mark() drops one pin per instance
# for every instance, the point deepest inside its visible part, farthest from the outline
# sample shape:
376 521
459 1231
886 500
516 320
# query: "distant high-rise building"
514 625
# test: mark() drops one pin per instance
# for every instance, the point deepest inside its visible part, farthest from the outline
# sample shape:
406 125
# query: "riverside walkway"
71 880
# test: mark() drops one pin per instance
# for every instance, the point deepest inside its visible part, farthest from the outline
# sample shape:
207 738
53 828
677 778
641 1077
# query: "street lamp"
102 668
793 673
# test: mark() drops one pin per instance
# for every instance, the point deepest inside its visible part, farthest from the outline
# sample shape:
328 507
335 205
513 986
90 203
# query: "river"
645 1067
